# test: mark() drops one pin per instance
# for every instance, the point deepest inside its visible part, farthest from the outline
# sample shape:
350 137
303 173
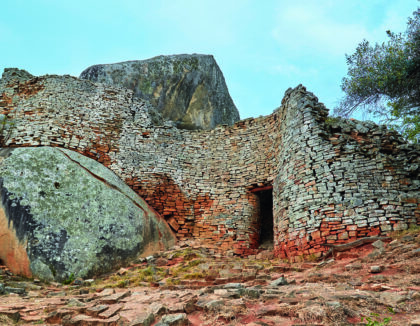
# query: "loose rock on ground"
196 288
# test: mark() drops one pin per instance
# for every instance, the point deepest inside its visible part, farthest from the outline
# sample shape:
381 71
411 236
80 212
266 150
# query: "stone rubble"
274 293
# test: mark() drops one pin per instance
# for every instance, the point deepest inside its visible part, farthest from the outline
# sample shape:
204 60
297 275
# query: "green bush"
376 320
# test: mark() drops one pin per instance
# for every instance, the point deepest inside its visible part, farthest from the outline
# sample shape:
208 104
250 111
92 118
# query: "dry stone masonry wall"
333 180
338 180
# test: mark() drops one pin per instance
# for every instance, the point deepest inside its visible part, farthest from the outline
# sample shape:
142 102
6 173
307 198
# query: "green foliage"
376 320
332 120
52 269
384 80
194 276
123 283
6 127
70 279
149 274
195 262
187 254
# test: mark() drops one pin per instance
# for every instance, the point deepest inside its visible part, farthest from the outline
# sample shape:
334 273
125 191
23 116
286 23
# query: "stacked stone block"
339 180
333 180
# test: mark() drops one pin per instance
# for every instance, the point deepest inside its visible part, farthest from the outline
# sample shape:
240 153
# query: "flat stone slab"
111 311
114 298
96 310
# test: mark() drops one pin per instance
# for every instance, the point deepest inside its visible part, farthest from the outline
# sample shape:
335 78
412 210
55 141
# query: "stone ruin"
296 178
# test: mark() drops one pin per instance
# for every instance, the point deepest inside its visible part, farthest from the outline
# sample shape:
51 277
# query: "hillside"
190 285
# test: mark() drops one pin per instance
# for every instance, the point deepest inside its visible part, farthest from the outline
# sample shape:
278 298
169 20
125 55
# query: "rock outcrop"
65 215
187 89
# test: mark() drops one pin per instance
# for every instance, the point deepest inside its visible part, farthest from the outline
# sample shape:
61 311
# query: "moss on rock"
75 214
187 89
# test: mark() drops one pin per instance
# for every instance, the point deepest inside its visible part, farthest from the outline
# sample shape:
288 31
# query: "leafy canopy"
384 80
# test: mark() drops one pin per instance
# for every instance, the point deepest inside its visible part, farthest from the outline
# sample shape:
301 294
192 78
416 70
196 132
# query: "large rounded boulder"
189 90
65 215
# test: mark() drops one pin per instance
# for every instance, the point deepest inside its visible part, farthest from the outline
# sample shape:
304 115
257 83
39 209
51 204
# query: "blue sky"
262 46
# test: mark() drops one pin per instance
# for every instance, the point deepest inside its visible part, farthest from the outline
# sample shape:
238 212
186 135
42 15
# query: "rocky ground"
190 285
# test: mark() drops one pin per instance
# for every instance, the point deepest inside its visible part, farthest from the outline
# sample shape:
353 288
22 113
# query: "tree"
384 79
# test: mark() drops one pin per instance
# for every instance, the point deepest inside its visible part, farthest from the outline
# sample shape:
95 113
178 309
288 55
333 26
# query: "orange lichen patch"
12 251
5 101
30 87
202 205
303 244
173 223
190 217
100 148
361 138
165 196
99 153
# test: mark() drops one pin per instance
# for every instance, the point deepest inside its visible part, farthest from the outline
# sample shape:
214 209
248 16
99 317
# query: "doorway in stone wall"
265 219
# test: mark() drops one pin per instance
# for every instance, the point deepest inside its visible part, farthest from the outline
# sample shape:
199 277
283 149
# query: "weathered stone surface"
9 289
96 310
174 320
376 269
63 213
334 299
187 89
392 299
14 74
333 180
355 266
111 311
379 245
280 281
114 298
143 318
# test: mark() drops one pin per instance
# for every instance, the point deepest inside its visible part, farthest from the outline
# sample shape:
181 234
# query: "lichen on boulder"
189 90
66 214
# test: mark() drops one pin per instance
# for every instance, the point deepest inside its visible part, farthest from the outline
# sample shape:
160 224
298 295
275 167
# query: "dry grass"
313 313
412 230
4 320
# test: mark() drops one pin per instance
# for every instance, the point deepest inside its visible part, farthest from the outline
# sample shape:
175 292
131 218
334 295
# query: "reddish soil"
190 286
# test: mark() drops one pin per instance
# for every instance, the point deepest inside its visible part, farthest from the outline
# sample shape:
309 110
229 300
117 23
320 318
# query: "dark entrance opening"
266 230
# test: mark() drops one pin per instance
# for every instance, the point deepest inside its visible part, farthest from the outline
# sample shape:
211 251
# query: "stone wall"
338 180
333 180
